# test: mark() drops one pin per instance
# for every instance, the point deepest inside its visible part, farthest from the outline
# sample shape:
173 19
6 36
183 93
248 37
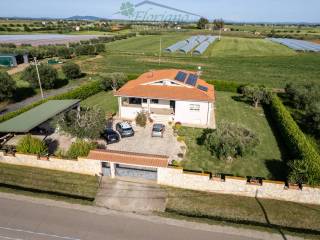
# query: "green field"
266 162
260 214
49 181
103 100
232 59
247 47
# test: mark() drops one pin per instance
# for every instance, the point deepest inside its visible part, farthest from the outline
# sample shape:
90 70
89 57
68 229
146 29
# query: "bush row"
296 141
81 93
226 86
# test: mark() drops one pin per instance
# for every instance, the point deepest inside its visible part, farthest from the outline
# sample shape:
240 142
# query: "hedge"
82 92
295 140
226 86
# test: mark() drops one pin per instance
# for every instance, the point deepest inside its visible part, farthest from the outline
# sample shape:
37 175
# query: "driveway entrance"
131 195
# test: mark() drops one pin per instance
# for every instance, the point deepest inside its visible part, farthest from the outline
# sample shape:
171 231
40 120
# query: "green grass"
247 47
49 181
267 160
104 100
145 44
240 60
279 216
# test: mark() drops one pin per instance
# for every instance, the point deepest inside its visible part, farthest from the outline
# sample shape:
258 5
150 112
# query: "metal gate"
136 172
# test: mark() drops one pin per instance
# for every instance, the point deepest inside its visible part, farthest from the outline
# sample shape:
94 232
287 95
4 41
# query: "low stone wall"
83 166
238 186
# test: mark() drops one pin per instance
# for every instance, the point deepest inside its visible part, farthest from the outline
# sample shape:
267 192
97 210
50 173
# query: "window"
144 100
154 101
194 107
135 101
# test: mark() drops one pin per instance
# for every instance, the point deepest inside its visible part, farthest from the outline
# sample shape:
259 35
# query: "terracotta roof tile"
147 160
136 88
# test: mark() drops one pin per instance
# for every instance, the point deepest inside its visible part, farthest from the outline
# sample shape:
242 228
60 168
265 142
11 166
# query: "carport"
128 164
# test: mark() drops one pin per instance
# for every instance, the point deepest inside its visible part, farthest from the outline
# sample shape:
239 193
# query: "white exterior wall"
129 112
163 104
185 115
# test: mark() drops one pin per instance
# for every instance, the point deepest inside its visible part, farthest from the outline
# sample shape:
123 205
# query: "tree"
64 52
8 86
218 23
85 49
229 141
113 81
71 70
202 23
100 47
48 75
86 124
256 94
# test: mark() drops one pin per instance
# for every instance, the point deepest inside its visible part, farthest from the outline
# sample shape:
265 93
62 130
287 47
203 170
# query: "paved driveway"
142 142
131 195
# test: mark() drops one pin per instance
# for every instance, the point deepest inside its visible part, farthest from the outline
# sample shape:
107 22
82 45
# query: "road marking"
37 233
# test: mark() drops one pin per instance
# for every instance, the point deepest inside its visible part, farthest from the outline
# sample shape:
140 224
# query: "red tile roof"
138 87
147 160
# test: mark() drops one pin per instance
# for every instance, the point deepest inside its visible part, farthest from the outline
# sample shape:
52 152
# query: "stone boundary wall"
176 177
82 166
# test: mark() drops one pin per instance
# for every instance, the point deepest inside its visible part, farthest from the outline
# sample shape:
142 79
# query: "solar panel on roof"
181 76
203 88
192 80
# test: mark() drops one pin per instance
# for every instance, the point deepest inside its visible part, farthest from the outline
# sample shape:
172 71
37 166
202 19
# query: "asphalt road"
20 220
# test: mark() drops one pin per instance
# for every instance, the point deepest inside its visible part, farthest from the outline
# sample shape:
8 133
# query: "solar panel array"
297 45
203 88
200 43
192 80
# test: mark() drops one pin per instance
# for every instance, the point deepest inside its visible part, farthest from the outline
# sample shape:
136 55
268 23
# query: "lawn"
267 160
104 100
271 214
49 181
247 47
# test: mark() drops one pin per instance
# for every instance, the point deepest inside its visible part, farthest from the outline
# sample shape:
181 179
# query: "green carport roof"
26 121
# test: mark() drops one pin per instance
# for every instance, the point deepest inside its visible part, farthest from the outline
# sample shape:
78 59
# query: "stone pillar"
112 170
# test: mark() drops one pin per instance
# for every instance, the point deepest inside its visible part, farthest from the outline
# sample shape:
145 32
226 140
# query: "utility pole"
36 63
160 50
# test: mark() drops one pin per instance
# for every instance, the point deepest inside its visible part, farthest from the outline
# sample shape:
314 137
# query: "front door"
173 105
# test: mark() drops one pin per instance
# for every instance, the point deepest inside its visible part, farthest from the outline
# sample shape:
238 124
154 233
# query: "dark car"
158 130
111 136
125 129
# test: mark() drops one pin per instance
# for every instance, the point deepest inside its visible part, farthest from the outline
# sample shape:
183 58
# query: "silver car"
158 130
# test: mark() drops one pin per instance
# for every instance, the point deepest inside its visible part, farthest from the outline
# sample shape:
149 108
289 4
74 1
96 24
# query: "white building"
169 96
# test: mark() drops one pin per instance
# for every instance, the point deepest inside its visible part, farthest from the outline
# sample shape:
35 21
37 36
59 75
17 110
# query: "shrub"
31 145
48 76
308 167
230 141
85 50
141 119
8 86
80 148
100 47
64 52
181 138
226 86
71 70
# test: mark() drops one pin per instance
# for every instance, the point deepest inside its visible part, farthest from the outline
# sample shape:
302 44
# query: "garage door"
136 172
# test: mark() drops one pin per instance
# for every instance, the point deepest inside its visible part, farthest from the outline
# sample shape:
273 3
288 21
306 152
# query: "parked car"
111 136
125 129
158 130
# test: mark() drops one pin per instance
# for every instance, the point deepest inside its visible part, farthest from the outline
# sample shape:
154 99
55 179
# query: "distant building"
12 60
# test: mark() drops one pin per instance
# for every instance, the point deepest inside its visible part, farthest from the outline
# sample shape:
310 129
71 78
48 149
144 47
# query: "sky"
232 10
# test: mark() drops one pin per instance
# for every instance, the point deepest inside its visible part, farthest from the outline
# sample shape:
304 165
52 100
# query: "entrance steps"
162 118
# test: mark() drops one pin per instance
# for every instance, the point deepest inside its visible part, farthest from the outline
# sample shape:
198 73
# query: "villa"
169 96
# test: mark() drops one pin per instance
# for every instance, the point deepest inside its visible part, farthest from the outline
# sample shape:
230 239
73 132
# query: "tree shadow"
242 99
61 83
278 169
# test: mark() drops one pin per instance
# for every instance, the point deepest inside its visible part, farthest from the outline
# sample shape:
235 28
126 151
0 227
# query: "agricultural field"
233 59
267 161
233 46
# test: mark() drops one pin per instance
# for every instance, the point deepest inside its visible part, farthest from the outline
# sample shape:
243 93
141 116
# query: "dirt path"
18 69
